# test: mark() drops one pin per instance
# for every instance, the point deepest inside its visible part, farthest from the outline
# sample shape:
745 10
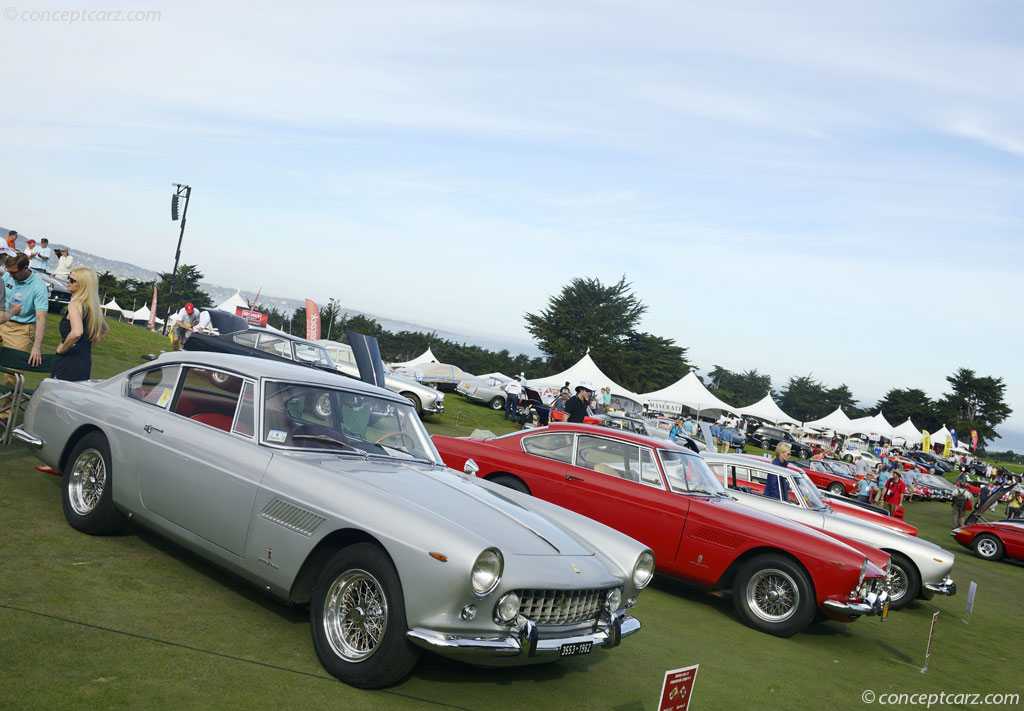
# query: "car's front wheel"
511 482
988 547
357 616
848 458
836 488
498 403
87 496
904 581
416 405
774 595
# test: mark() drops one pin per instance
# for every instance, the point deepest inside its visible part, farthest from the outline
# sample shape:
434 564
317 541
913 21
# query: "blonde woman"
82 327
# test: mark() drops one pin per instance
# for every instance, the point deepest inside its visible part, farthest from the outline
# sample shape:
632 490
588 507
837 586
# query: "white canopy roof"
113 306
908 431
426 357
688 391
836 421
875 424
939 436
140 315
584 369
234 302
767 409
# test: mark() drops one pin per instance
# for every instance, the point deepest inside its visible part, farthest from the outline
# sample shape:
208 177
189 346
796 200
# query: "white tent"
837 421
113 306
767 409
426 357
875 424
939 436
140 315
235 301
908 431
584 369
688 391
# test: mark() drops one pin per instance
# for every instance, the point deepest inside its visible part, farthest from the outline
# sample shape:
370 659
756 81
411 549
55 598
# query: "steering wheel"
397 434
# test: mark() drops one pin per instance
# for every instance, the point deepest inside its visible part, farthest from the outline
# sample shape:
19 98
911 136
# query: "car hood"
482 511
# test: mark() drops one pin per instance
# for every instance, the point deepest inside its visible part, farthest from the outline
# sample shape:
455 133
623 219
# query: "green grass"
133 622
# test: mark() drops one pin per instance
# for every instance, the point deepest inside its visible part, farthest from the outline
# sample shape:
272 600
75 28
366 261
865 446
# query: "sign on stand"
677 689
931 636
971 591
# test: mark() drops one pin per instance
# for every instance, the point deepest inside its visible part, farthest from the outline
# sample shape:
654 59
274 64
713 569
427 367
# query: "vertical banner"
972 590
948 446
312 321
956 440
931 636
974 440
926 441
677 689
152 312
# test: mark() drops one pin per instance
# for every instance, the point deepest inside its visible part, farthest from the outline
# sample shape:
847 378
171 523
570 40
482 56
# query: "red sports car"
826 479
780 573
992 540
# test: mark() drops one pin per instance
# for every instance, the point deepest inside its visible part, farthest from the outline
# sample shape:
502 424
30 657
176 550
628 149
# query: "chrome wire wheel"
897 582
355 615
773 595
88 479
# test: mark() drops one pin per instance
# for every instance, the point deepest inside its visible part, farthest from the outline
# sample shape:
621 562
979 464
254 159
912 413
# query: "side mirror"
471 467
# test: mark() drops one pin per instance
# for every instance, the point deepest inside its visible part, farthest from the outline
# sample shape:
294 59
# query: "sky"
832 189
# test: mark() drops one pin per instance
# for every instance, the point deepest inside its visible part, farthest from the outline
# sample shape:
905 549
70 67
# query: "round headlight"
486 571
643 571
508 608
613 600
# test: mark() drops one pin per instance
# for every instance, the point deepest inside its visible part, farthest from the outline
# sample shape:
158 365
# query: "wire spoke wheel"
773 595
88 480
355 615
897 581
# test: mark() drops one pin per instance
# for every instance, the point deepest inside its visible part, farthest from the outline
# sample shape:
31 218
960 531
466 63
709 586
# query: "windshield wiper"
330 440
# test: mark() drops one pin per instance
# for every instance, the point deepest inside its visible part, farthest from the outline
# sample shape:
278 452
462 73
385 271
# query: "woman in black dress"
82 327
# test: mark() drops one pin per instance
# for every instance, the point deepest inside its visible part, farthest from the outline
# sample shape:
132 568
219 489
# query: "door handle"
151 428
570 477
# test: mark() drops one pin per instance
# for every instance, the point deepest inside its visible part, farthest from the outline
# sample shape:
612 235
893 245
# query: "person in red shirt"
12 236
895 490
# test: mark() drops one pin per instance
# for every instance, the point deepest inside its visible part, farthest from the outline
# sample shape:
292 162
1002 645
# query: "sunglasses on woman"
72 280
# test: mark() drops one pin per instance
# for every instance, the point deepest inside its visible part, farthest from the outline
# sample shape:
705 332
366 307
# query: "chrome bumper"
437 409
946 586
523 644
873 604
20 433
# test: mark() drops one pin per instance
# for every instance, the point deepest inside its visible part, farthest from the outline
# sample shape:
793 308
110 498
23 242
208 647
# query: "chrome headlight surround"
486 572
643 570
613 599
507 609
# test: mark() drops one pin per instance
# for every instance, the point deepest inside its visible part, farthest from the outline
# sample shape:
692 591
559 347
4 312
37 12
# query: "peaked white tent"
875 424
583 369
908 431
140 315
767 409
233 303
688 391
426 357
113 306
837 421
939 436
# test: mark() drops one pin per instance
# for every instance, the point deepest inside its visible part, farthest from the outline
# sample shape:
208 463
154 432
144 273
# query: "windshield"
688 473
301 416
807 490
312 353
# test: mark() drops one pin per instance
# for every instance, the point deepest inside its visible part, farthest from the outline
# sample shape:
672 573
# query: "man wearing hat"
578 406
185 320
513 390
41 256
895 490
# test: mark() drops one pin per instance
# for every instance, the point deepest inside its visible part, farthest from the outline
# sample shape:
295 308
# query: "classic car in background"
424 398
57 292
781 574
769 438
640 427
931 487
326 491
489 390
992 540
918 568
931 460
852 455
825 477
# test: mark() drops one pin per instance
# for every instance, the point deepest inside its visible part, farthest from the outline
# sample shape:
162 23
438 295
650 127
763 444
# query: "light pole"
186 191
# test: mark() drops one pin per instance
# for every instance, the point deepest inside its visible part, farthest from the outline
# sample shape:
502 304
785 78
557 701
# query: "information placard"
677 689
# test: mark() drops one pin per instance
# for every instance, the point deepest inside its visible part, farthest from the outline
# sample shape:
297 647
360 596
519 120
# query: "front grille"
560 607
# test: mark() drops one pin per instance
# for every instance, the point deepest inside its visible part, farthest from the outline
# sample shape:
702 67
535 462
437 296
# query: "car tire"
357 619
773 594
498 403
837 488
220 379
87 495
848 458
415 402
904 581
988 547
512 482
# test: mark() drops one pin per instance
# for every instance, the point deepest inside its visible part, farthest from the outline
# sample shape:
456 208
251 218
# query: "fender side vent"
292 517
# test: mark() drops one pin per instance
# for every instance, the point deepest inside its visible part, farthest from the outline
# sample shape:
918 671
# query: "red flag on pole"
312 321
152 311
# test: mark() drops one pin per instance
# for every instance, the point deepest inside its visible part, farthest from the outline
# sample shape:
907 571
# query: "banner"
974 439
152 312
948 446
312 321
252 316
956 440
926 441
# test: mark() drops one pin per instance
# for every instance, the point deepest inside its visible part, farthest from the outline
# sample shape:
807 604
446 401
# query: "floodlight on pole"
181 192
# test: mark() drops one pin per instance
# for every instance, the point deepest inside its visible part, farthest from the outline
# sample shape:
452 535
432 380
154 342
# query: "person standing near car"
41 257
25 331
895 490
866 489
64 262
578 406
184 320
513 390
82 327
12 238
776 488
725 437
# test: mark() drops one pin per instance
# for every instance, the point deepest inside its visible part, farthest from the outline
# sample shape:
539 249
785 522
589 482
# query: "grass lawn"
131 621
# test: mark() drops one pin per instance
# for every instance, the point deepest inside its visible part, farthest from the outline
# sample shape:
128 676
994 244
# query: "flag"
926 441
152 311
956 441
312 321
948 446
974 439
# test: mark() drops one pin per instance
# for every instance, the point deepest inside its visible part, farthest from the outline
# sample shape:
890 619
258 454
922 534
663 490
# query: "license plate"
575 648
885 610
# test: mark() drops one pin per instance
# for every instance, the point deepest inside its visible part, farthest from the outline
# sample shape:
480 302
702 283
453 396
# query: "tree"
186 289
647 363
976 403
840 396
739 389
804 397
899 404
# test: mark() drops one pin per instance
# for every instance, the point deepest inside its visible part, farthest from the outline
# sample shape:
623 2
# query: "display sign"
254 317
931 636
971 591
677 689
312 321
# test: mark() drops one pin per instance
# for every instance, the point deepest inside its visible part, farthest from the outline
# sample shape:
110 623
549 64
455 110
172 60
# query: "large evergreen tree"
976 403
